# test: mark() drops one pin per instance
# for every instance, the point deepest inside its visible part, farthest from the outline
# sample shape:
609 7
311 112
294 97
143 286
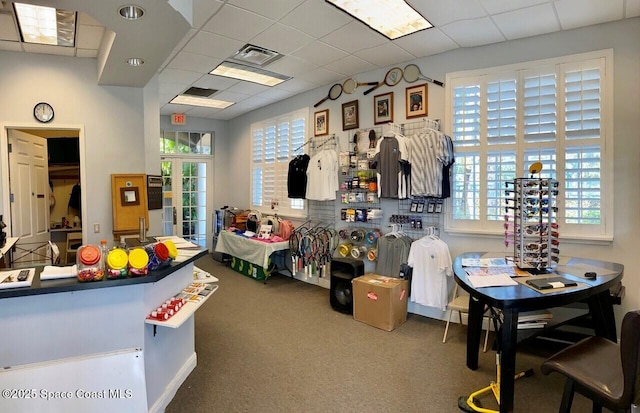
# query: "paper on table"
178 241
50 272
185 254
494 280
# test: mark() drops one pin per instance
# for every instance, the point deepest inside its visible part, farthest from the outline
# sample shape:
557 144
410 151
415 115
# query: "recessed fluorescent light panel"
248 73
46 25
198 101
392 18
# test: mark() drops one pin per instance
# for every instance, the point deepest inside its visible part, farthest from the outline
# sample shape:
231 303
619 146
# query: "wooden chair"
74 241
460 303
604 371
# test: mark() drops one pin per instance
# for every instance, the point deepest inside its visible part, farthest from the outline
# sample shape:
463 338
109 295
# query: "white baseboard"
165 398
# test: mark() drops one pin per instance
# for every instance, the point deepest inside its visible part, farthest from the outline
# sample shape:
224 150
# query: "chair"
604 371
461 305
74 241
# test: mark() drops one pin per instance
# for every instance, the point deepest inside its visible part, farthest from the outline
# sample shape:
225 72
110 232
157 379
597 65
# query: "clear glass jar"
138 260
90 264
117 262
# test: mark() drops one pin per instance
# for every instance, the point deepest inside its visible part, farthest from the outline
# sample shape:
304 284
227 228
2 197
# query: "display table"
251 250
512 300
63 318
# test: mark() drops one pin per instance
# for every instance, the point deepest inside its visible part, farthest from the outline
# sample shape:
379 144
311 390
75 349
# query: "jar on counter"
138 260
171 247
158 256
117 261
90 263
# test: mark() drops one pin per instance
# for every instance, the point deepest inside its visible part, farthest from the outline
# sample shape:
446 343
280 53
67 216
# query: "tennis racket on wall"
334 93
392 78
350 85
412 73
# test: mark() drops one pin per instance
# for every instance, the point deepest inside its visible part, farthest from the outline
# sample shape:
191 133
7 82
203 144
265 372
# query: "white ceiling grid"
321 45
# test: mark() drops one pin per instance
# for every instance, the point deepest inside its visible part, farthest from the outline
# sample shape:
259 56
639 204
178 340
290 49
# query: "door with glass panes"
185 195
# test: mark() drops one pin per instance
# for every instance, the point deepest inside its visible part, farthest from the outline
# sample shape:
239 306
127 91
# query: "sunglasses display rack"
531 226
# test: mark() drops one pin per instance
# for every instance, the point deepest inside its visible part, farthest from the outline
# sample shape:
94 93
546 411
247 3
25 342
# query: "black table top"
72 284
524 298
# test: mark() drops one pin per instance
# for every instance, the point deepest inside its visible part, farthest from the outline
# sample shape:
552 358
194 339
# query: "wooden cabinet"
129 203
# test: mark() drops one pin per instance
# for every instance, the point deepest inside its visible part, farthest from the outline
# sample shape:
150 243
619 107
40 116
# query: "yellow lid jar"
138 260
117 262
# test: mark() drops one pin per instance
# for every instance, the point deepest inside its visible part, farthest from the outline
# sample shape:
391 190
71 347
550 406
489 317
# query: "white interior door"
185 198
29 189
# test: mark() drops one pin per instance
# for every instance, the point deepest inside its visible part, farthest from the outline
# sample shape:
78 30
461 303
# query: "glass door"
185 198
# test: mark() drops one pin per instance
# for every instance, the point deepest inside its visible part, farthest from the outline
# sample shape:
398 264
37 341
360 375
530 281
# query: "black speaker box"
343 270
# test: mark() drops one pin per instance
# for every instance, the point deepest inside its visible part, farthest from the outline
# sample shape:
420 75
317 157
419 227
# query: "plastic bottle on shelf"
104 251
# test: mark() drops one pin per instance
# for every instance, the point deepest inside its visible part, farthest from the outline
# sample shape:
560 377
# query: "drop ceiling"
320 44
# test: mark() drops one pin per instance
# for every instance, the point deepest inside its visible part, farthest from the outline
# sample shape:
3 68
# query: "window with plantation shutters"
557 112
275 143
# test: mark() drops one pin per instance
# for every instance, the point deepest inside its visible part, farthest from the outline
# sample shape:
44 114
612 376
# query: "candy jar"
158 256
138 260
117 261
173 250
90 264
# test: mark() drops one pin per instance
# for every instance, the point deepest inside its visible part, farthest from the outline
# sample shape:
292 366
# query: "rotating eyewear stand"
471 403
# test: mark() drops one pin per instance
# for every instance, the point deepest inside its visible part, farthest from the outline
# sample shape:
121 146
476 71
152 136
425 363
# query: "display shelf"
187 310
530 222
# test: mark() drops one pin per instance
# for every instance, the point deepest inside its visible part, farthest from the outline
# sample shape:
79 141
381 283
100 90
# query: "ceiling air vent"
255 55
198 91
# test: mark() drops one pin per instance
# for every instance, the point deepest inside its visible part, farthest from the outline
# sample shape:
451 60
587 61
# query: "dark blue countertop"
72 284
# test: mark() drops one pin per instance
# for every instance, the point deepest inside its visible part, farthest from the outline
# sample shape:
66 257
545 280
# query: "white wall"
112 118
621 36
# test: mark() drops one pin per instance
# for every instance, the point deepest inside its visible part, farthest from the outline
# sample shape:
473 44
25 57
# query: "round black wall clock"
43 112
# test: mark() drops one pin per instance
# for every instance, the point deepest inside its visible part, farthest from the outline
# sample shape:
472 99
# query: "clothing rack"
326 140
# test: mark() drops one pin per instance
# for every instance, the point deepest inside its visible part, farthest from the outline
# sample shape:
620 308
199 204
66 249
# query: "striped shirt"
428 153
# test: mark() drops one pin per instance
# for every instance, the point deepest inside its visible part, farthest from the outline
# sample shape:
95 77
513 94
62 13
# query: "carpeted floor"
280 347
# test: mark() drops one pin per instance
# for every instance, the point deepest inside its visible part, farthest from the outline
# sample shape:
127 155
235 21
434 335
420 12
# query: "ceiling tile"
385 55
275 94
92 53
89 37
248 88
319 53
274 10
48 49
352 38
349 66
578 13
317 18
200 112
87 20
210 44
8 29
290 66
172 89
230 96
473 32
203 10
322 76
11 46
632 9
170 108
426 42
282 39
194 62
501 6
440 14
237 23
178 47
295 85
215 82
183 77
540 19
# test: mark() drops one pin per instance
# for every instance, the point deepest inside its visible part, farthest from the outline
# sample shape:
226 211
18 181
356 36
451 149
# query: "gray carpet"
280 347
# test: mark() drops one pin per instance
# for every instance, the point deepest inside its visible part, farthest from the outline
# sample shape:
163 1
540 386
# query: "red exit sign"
178 119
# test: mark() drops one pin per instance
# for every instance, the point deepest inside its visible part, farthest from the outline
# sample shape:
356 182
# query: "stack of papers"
179 242
493 280
51 272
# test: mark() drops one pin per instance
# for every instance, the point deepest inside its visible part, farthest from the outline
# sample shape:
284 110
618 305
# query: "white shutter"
582 104
582 190
466 186
540 108
501 112
501 167
466 115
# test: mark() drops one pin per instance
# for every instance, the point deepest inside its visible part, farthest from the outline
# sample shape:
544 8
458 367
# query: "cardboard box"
380 301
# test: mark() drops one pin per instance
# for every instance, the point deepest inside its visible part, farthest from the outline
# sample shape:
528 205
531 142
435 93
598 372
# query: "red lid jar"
89 262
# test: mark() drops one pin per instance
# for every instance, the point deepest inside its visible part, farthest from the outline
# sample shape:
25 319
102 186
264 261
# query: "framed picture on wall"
416 101
350 115
383 108
321 123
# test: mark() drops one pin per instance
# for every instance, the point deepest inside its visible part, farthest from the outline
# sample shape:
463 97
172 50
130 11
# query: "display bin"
251 270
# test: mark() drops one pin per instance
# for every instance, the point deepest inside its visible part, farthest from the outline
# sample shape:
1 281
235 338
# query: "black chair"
604 371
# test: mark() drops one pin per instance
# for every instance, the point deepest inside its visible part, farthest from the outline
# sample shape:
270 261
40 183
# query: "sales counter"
63 318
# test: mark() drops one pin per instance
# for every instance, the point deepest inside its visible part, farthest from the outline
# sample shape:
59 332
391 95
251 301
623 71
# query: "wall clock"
43 112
